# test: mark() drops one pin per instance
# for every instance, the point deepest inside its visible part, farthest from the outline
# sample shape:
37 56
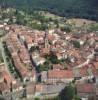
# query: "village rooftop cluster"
47 61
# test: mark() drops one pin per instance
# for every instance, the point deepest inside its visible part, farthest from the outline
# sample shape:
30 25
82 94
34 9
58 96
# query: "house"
54 76
45 51
24 55
48 90
37 60
29 42
86 91
30 90
38 90
26 75
95 65
59 56
16 86
52 90
4 88
1 77
44 77
8 78
5 76
58 67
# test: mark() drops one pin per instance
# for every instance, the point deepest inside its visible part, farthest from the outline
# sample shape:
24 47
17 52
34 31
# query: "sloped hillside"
69 8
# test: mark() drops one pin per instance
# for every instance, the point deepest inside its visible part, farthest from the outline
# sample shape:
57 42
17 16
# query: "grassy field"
73 21
80 22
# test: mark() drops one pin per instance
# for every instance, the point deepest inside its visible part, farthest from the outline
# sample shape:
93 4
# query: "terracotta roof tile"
85 88
60 74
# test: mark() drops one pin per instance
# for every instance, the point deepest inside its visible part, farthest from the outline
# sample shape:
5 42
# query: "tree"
33 48
10 21
76 44
52 58
67 93
45 67
76 98
36 99
88 8
67 28
56 22
93 27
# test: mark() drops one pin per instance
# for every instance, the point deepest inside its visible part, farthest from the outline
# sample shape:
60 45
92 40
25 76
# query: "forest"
67 8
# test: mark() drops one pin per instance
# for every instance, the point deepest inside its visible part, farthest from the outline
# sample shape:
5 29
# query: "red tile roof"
23 54
29 39
60 74
83 71
20 67
3 87
39 87
57 66
85 88
96 65
51 37
7 77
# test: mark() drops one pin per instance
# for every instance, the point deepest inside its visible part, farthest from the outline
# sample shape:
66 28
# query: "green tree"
52 58
93 27
76 44
67 28
67 93
36 99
